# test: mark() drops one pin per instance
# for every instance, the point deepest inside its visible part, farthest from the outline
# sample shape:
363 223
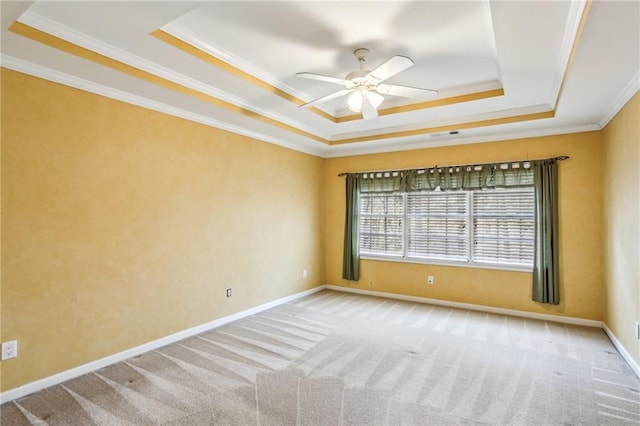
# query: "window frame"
470 263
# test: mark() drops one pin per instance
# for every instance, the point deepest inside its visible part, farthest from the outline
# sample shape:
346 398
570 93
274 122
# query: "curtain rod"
559 158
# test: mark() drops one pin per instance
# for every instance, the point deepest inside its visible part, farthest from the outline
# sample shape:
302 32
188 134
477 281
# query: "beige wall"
621 141
122 225
581 289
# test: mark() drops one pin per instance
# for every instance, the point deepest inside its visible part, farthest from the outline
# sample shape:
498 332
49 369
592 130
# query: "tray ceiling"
502 69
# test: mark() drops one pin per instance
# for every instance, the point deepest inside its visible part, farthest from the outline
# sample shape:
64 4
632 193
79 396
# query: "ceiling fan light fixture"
367 87
355 100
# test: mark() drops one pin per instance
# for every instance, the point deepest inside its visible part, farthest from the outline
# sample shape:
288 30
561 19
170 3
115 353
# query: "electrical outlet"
228 292
9 349
430 279
637 329
305 274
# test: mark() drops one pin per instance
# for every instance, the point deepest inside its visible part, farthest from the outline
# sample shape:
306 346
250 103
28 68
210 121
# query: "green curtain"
542 174
351 258
545 264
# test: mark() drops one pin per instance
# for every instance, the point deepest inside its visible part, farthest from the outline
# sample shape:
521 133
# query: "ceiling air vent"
437 135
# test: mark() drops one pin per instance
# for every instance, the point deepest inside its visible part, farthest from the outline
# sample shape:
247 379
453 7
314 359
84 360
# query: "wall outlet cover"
228 292
9 349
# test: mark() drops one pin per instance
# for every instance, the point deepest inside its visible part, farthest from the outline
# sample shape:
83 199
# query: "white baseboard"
545 317
473 307
38 385
56 379
626 355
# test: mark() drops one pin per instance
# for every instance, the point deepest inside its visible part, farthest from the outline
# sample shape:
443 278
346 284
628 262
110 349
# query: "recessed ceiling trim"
429 104
194 50
578 14
183 34
351 150
489 19
448 127
188 43
66 46
77 50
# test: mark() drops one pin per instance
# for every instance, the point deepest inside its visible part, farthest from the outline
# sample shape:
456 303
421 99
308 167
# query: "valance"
449 178
470 177
381 181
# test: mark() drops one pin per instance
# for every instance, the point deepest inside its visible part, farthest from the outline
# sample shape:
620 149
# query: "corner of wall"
621 227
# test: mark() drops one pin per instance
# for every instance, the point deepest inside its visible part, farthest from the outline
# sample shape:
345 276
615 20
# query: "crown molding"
449 122
423 141
621 100
35 70
322 151
63 32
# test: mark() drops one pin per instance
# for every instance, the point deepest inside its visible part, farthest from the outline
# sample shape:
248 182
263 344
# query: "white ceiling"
551 66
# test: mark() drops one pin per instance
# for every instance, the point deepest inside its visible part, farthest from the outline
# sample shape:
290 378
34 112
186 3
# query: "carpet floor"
336 358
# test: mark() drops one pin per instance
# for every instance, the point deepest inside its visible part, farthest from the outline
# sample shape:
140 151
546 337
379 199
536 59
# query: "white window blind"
488 227
382 223
503 226
437 225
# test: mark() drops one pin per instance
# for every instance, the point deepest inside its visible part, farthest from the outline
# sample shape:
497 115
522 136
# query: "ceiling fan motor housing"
358 77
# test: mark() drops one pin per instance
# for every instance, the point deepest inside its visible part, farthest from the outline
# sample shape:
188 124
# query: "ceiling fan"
367 87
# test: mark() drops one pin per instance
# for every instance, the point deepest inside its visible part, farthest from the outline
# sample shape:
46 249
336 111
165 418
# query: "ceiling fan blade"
405 91
368 110
321 77
326 98
390 68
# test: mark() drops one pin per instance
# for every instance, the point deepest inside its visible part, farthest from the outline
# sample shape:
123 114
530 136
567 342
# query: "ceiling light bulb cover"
355 101
375 98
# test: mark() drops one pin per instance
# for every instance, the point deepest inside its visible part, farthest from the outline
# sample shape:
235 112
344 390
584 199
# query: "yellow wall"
580 218
1 337
621 142
122 225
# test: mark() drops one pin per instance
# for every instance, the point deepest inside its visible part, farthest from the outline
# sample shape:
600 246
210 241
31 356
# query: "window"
381 224
437 225
503 227
482 227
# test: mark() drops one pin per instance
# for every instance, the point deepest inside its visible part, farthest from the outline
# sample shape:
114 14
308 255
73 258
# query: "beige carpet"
341 359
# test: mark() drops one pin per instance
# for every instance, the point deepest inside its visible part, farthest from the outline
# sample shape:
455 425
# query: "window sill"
398 259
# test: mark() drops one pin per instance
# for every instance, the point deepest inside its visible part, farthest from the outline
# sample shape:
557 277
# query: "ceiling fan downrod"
358 77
